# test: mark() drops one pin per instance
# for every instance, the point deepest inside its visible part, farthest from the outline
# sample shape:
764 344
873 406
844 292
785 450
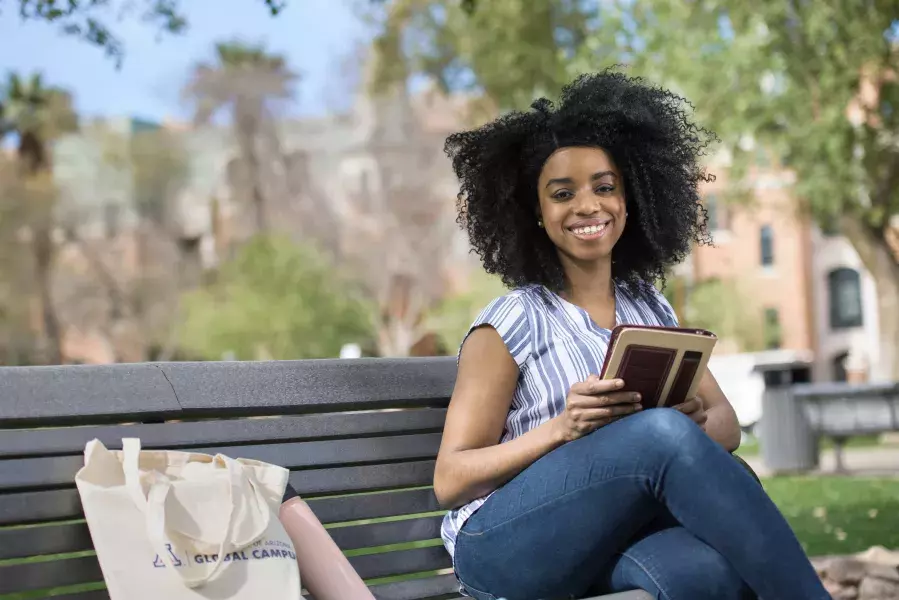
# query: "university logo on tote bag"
186 526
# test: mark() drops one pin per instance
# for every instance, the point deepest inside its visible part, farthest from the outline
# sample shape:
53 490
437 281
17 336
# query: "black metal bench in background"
333 423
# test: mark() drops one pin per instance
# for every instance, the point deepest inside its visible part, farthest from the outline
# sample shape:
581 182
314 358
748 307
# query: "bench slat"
383 534
75 537
401 562
94 595
373 506
44 395
71 440
60 470
56 573
416 589
44 540
428 588
61 573
309 385
38 507
370 478
56 505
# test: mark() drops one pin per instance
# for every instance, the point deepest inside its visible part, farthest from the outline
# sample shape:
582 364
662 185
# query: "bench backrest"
847 409
359 436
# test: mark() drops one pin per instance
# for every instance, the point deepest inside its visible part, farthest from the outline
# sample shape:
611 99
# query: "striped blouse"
555 344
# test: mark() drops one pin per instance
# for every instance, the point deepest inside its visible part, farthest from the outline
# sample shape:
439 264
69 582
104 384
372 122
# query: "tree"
85 19
140 266
510 50
452 316
724 307
247 82
275 300
397 230
813 85
19 343
38 115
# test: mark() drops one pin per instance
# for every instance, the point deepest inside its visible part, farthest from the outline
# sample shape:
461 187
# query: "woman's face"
582 203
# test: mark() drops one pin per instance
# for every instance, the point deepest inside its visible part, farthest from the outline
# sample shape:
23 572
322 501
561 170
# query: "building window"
716 213
844 293
772 330
766 243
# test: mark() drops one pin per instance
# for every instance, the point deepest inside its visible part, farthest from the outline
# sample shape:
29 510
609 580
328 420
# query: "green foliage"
515 49
274 300
784 74
722 307
452 317
87 19
31 108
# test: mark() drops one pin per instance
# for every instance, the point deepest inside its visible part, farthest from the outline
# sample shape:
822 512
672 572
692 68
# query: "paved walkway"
883 460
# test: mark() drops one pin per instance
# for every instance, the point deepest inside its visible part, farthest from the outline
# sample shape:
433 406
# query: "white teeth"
593 229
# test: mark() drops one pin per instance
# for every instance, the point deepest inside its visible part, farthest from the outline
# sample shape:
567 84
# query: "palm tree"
247 82
37 115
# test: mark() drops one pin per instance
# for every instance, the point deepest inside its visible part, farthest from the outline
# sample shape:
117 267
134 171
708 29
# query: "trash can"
788 443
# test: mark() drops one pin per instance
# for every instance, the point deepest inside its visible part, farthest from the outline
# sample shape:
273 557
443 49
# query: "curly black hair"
649 134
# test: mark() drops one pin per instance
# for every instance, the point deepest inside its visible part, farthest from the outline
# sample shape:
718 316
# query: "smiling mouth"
590 232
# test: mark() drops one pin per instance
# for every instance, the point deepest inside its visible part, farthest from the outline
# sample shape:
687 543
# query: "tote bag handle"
153 506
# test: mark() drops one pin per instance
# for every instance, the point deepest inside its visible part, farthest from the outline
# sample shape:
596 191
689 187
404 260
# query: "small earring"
626 213
540 223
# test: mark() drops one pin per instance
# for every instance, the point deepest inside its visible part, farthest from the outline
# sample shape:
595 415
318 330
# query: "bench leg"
838 446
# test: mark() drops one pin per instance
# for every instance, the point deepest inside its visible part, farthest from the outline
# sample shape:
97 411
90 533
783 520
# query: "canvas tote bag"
186 526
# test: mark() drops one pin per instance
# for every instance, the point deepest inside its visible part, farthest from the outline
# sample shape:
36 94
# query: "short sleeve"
508 317
663 309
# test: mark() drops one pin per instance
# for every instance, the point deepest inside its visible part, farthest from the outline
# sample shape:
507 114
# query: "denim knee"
664 426
711 577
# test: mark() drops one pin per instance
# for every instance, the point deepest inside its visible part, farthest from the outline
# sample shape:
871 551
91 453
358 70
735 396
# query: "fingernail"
619 383
636 397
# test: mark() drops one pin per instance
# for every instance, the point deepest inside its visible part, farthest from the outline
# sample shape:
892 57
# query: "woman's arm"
721 424
471 462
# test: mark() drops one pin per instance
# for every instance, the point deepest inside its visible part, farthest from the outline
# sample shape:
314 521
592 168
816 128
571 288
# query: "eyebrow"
569 180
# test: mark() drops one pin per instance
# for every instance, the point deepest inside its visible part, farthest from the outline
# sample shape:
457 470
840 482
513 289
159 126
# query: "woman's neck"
587 284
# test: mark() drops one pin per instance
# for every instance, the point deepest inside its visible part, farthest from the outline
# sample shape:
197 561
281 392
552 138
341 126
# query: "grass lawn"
839 515
750 447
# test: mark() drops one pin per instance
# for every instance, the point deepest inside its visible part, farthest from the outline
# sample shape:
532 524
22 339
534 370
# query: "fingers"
594 386
606 412
690 406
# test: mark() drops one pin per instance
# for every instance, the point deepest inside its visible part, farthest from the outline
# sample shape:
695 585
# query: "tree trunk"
43 266
878 258
33 156
247 133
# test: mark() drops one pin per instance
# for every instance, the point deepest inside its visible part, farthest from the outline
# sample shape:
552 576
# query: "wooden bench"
840 411
359 436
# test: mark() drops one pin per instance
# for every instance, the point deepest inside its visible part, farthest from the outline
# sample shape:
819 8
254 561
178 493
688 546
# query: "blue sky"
316 37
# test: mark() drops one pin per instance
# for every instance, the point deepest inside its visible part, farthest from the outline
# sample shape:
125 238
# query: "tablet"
663 364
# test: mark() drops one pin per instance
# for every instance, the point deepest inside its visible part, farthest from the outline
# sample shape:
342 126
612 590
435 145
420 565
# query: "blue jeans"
648 502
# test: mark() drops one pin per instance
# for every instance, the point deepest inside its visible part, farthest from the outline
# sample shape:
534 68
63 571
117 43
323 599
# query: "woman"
559 484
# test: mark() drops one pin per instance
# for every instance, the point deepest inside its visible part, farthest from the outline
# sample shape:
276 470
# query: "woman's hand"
695 410
592 404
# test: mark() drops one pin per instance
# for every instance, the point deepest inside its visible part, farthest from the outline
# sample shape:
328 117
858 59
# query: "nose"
587 204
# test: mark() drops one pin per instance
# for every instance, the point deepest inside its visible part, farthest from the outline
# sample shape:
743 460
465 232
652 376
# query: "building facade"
806 289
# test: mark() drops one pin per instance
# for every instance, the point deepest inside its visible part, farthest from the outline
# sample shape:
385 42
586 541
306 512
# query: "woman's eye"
605 189
562 195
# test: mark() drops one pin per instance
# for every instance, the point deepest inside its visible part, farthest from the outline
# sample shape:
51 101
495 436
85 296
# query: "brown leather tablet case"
663 364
